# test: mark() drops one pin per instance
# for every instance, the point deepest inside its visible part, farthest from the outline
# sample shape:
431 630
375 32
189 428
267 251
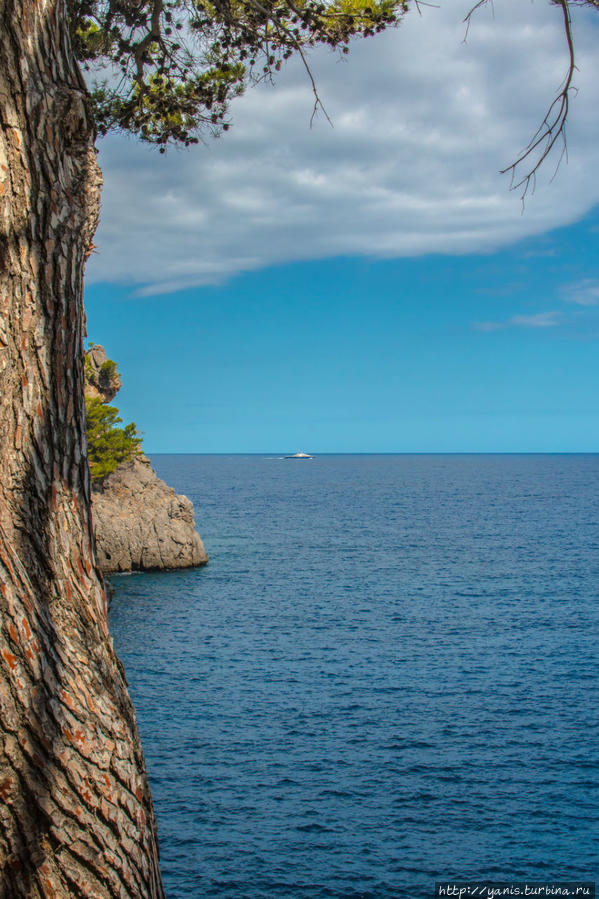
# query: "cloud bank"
423 122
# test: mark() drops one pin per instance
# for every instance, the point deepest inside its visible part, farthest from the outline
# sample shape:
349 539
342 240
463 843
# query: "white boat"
299 456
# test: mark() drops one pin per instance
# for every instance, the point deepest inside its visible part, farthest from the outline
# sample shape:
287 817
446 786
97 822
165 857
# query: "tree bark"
76 816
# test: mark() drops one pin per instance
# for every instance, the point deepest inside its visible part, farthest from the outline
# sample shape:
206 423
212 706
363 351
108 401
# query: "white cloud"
537 320
422 125
583 293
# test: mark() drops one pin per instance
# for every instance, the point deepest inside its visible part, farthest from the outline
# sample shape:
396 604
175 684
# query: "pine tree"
108 445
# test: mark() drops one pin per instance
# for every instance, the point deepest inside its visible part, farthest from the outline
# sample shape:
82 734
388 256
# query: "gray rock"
141 523
101 376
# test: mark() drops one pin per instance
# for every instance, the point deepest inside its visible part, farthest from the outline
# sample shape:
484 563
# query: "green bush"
108 372
107 444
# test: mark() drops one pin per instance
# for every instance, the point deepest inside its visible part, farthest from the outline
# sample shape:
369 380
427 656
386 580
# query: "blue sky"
474 353
372 287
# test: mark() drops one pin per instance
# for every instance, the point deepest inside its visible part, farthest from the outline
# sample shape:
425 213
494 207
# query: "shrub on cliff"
107 444
108 374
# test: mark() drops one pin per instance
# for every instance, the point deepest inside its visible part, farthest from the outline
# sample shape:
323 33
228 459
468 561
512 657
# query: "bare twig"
475 8
553 127
297 44
420 3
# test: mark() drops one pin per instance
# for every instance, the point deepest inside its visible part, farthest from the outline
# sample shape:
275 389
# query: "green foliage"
167 69
107 444
107 374
108 369
104 378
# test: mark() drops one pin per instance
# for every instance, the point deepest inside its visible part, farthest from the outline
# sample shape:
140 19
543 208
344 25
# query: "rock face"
101 376
142 524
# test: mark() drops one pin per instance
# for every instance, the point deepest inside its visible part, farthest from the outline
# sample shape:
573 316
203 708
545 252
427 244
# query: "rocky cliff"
140 522
102 379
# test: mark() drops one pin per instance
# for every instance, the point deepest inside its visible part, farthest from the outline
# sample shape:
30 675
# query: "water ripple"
386 675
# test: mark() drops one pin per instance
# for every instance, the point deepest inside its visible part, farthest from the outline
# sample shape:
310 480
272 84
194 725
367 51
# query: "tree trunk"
76 816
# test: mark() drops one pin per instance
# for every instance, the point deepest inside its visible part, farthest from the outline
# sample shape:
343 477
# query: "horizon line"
383 453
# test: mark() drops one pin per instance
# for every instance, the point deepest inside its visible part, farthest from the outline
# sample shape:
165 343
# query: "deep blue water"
385 676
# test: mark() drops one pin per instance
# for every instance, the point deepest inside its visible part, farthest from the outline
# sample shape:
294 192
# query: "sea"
386 676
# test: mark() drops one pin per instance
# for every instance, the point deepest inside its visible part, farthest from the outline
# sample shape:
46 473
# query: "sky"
373 286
